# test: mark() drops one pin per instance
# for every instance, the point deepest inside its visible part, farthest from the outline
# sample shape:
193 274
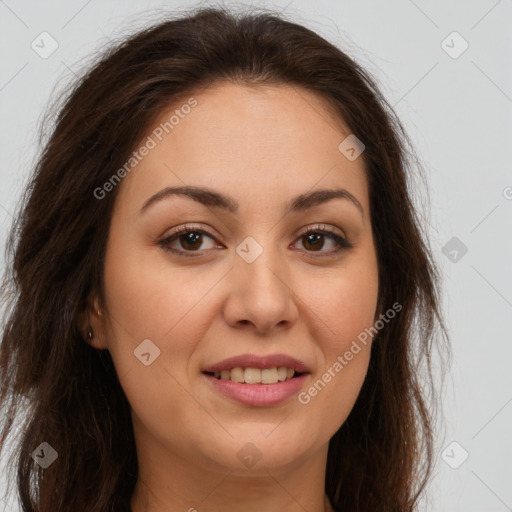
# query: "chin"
258 450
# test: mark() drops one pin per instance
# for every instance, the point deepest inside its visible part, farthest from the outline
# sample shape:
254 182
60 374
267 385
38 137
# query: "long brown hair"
67 393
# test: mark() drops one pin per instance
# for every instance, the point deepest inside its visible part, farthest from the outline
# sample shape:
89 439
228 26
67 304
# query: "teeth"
252 376
255 375
236 375
269 376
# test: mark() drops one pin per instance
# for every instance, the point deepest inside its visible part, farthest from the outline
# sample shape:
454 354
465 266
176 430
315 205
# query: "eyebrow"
214 199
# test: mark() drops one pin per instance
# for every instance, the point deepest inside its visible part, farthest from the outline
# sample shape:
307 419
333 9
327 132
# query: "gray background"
457 109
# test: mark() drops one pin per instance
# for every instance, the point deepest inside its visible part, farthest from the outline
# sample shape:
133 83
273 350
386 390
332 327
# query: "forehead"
248 141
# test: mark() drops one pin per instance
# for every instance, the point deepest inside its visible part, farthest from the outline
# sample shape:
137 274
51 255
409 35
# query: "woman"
219 293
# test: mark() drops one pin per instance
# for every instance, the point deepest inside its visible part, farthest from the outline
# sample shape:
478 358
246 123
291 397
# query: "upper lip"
255 361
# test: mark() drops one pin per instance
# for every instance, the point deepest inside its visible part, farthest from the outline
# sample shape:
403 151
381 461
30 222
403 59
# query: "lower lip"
259 395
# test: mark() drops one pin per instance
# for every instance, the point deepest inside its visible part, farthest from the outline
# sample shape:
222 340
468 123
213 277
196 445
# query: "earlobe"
92 326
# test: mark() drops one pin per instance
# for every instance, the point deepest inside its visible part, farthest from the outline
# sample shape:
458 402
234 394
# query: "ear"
92 324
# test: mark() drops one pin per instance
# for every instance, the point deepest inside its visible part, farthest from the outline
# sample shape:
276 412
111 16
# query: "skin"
261 146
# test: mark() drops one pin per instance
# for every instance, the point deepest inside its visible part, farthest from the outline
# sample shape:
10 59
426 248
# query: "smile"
251 375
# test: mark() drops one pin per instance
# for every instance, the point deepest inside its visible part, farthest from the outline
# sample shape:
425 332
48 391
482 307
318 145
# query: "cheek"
173 309
332 394
148 299
345 302
345 310
148 302
346 351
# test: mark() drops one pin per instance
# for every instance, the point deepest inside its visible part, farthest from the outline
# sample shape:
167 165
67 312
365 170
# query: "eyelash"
343 244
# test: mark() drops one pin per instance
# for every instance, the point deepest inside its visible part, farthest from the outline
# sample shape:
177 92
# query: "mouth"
258 380
262 388
252 375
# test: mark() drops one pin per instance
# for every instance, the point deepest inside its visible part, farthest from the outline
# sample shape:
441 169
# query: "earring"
90 334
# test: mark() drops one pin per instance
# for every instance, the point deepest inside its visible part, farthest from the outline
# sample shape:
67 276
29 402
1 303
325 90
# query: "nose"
261 296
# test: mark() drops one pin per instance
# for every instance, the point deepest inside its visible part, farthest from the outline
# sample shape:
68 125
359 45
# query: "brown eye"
188 242
314 240
192 240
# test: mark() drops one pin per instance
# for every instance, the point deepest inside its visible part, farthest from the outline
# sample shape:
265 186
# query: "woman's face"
251 284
